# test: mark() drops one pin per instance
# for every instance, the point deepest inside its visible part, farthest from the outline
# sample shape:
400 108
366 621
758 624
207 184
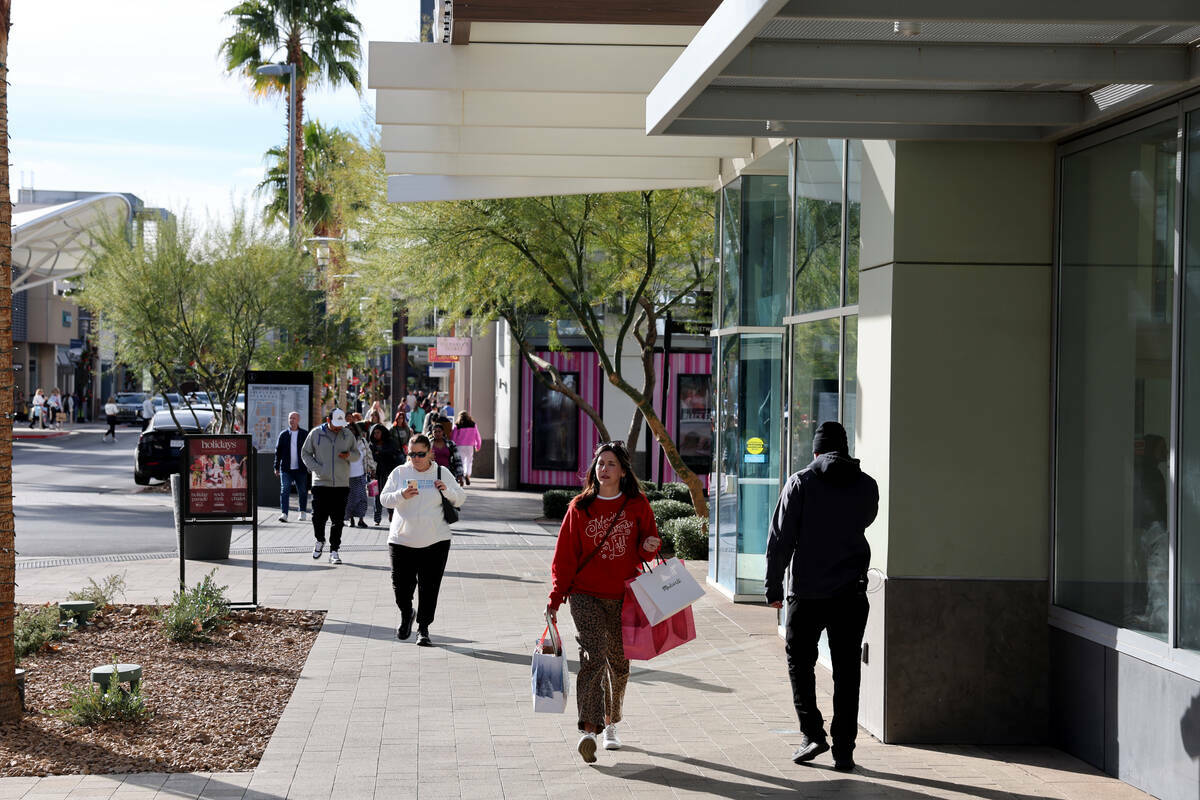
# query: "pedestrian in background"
608 530
416 419
360 471
69 405
444 451
328 452
819 530
55 405
387 458
419 536
110 414
37 410
466 438
147 412
400 433
289 467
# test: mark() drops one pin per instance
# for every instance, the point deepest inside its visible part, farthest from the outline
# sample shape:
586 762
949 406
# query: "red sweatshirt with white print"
605 573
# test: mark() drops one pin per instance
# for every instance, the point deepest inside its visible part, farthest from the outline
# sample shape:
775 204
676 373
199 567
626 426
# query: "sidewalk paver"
375 717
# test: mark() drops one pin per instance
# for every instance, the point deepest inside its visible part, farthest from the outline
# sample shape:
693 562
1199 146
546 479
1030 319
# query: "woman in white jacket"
419 538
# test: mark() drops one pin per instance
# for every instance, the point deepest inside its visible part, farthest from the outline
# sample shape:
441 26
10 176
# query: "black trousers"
419 568
329 503
844 619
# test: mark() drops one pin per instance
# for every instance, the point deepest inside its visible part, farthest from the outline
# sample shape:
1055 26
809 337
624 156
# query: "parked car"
159 452
129 406
160 401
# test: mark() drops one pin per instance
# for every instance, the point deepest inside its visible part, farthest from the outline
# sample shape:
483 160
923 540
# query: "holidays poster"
218 470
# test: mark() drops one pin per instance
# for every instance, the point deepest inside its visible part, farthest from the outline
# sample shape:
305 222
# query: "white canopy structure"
51 243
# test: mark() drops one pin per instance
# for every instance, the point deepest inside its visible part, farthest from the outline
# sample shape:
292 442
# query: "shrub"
102 594
34 627
670 509
689 535
677 491
118 703
195 612
555 502
654 494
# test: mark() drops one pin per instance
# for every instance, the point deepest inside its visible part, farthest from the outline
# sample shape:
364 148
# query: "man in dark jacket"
819 529
289 467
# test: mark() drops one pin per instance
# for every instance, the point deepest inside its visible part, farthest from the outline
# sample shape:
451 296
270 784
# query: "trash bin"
208 542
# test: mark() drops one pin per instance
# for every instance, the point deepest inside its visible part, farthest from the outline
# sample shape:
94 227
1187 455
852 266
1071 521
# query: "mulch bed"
215 705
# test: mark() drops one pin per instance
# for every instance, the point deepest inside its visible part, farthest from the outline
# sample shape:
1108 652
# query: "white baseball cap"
338 418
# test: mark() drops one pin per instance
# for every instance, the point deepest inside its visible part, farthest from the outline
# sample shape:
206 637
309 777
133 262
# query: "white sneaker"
318 549
283 517
609 738
587 747
334 558
304 516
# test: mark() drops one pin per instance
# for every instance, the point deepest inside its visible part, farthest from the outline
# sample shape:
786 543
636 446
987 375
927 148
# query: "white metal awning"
925 69
508 115
51 243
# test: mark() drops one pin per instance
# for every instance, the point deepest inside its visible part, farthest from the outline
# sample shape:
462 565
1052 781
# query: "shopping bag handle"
555 638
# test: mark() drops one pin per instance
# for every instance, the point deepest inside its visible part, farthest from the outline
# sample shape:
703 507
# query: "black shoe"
405 629
809 749
362 523
423 638
843 764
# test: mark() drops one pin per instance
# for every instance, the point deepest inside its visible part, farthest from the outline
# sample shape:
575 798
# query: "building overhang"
1032 70
54 243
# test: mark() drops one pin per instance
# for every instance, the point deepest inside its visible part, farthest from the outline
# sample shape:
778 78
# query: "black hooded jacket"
385 452
819 528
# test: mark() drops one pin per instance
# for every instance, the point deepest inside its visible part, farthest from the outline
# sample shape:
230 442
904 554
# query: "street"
74 495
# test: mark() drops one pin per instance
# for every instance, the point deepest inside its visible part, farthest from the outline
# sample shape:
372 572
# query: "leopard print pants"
603 668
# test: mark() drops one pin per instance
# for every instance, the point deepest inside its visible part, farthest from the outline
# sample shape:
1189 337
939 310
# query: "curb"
46 435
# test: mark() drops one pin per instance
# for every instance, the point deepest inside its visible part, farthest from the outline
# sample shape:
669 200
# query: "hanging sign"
436 356
454 345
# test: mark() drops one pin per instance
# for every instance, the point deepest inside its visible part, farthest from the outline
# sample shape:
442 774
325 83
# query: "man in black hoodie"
819 529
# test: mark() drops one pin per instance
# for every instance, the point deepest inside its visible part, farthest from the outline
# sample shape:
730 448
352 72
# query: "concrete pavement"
375 717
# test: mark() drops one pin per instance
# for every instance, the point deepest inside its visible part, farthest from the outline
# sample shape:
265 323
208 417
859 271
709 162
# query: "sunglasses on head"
616 445
418 454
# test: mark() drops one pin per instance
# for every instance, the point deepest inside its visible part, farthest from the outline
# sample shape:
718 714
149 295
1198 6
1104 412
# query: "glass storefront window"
815 348
731 253
818 187
850 379
1189 460
555 426
765 263
729 432
759 398
1115 333
854 151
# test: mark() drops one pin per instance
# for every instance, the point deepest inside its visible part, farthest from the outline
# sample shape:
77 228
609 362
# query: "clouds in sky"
131 97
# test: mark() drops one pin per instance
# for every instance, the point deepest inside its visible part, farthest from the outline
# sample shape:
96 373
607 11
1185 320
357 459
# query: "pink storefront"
557 439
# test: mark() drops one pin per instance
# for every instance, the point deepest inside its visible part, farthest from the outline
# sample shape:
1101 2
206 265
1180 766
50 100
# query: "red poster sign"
218 476
439 358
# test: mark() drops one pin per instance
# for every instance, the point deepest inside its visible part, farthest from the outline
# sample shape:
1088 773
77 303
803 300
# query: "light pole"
277 71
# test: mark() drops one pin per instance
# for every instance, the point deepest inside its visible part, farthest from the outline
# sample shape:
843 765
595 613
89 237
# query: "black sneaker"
405 629
362 523
809 749
843 764
423 638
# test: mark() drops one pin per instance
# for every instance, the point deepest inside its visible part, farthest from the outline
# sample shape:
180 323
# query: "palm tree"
321 37
10 704
328 151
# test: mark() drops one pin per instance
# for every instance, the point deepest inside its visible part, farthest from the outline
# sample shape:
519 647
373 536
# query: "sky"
124 96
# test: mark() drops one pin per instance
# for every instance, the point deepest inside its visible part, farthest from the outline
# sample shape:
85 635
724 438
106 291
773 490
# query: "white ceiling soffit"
52 243
496 119
925 69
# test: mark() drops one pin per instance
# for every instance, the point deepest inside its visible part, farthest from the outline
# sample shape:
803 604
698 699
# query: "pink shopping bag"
644 641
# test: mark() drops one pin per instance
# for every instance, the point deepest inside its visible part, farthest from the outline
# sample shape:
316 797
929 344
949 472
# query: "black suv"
159 451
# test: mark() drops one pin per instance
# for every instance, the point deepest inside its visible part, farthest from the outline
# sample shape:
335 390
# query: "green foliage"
102 594
555 502
654 494
119 703
670 509
195 612
689 535
33 627
677 491
205 301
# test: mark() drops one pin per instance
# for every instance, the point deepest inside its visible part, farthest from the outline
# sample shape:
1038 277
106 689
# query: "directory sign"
270 397
217 471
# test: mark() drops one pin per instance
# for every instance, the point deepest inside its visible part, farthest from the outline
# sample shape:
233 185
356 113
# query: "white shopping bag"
550 678
666 590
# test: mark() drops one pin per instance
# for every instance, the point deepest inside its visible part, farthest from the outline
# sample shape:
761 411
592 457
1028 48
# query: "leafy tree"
186 305
320 37
10 706
610 264
330 199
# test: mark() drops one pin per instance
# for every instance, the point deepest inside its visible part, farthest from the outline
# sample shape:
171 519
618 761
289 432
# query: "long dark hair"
631 487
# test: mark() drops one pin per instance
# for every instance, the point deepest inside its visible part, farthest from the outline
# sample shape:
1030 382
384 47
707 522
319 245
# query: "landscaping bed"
213 705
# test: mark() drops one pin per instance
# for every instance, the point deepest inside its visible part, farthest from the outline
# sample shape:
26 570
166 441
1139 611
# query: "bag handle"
555 637
599 547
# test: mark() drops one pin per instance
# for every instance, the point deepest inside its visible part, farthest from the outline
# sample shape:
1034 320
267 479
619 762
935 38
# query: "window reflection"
731 253
818 170
1189 508
814 384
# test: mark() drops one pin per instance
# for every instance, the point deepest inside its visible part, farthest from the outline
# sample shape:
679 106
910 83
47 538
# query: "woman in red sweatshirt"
609 528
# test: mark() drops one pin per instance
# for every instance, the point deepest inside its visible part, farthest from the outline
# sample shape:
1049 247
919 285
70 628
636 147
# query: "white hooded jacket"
418 521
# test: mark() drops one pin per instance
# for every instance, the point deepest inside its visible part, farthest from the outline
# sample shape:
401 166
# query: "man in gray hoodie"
327 453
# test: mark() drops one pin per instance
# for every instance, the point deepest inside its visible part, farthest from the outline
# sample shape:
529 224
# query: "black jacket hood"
838 468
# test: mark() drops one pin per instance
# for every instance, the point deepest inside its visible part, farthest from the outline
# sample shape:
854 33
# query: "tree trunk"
296 56
10 704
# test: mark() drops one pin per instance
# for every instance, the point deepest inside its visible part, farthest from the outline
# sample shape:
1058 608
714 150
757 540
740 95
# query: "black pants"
329 503
419 568
112 427
844 619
